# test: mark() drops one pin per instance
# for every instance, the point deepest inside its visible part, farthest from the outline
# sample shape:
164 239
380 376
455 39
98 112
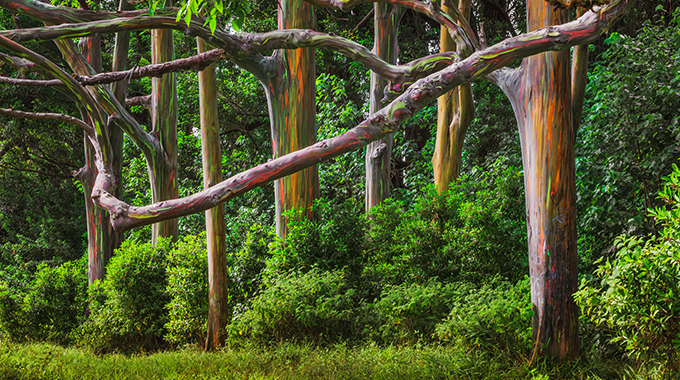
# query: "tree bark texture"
218 311
291 95
163 166
379 153
540 92
101 238
455 112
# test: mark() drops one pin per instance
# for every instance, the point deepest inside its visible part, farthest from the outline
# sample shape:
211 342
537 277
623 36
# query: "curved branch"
31 82
196 63
431 10
55 14
49 116
378 125
105 178
239 47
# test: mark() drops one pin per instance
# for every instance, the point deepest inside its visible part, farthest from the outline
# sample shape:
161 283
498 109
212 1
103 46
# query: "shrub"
409 313
495 315
188 291
334 239
56 301
246 266
50 308
314 306
472 233
128 307
638 297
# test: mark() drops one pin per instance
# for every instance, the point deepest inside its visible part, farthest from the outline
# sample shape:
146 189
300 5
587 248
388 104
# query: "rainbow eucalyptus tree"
455 110
540 92
218 311
379 153
163 168
291 96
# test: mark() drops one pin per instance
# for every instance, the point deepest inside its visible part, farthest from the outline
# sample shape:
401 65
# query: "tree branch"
238 47
378 125
144 101
48 116
196 63
31 82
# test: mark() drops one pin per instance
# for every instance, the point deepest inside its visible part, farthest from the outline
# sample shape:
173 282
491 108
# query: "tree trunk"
540 92
291 95
101 238
218 312
379 153
119 90
455 112
163 168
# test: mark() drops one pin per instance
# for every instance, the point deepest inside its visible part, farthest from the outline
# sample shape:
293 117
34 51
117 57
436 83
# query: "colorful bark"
540 92
455 112
119 90
101 237
379 153
291 95
579 78
218 311
163 165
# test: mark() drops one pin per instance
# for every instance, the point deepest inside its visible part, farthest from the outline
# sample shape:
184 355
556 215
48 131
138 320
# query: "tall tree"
379 153
163 168
291 95
455 112
540 91
218 311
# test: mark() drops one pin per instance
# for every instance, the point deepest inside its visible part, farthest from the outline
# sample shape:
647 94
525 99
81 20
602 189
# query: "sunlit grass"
289 361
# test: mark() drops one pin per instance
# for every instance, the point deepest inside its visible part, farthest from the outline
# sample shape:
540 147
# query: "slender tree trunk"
579 77
379 153
218 312
100 235
291 95
454 114
119 90
163 168
540 92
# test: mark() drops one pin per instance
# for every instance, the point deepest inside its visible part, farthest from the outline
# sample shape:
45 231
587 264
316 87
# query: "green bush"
495 315
128 307
473 232
188 291
51 307
334 239
247 264
638 295
56 301
409 313
315 306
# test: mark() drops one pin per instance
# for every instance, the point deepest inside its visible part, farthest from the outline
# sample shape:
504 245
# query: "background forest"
420 268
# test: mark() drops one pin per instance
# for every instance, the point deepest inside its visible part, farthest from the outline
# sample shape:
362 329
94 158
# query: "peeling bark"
218 311
455 112
379 153
163 167
291 96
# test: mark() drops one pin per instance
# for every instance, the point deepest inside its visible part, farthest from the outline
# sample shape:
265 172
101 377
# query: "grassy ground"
43 361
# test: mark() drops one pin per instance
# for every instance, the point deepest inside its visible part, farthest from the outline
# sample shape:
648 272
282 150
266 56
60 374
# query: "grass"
290 361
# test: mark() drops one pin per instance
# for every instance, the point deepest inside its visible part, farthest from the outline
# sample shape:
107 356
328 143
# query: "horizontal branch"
196 63
31 82
144 101
380 124
48 116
